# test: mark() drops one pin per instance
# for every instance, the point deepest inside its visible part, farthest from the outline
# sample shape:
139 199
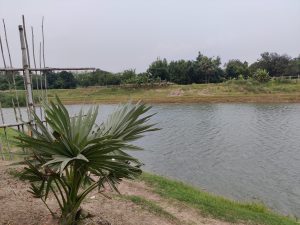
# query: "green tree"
293 68
275 64
180 72
73 156
207 69
61 80
159 69
128 76
234 68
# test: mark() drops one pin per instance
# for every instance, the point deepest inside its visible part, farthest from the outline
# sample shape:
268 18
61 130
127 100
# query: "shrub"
73 156
261 76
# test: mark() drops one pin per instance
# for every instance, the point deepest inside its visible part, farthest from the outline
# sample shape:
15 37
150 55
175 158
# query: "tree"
293 68
70 157
159 69
128 76
234 68
98 78
62 80
180 72
275 64
66 80
6 80
207 69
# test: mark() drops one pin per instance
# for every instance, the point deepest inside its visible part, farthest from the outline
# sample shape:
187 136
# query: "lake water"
242 151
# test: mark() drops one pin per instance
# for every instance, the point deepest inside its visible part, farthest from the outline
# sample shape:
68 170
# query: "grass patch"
215 206
15 173
6 98
10 132
230 91
150 206
7 137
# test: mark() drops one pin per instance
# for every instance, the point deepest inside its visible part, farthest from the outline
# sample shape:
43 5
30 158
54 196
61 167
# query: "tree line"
203 69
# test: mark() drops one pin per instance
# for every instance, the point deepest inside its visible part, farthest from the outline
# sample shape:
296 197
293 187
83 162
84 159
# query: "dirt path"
18 207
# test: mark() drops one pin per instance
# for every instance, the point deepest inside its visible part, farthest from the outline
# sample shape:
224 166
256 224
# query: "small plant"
241 77
261 76
72 156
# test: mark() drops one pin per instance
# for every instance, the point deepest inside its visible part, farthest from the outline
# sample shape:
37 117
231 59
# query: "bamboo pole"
11 66
40 56
33 55
1 150
43 39
26 42
33 52
40 64
41 74
26 73
7 46
34 62
44 63
26 95
15 111
5 132
2 52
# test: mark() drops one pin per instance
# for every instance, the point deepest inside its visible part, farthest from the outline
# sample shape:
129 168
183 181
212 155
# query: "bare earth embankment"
18 207
151 200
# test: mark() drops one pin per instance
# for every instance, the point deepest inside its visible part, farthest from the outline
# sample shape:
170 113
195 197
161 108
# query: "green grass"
150 206
215 206
8 142
230 91
11 133
7 136
6 98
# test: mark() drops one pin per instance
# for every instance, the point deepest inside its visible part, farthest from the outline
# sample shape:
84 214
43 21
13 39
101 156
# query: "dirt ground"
18 207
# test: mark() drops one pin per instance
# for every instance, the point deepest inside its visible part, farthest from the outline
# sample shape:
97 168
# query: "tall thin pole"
44 63
10 63
26 73
33 52
7 46
40 66
33 55
26 42
3 57
5 132
36 74
43 39
40 55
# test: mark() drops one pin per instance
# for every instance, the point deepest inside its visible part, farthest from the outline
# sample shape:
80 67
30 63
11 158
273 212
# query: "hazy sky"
119 34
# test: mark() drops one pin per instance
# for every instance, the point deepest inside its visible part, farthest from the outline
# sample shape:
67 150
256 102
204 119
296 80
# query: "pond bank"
150 200
195 93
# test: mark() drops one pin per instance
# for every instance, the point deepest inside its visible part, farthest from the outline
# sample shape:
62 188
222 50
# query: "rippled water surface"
242 151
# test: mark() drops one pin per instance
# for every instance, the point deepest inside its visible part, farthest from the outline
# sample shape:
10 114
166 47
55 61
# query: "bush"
261 76
72 156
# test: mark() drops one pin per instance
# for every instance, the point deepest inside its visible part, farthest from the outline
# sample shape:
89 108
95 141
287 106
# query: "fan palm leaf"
73 155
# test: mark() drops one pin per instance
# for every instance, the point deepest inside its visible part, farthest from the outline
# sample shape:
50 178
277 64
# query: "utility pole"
26 73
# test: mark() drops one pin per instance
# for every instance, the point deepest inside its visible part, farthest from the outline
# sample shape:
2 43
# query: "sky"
115 35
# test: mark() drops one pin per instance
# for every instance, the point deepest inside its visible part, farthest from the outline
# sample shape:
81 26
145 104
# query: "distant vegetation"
7 99
203 69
